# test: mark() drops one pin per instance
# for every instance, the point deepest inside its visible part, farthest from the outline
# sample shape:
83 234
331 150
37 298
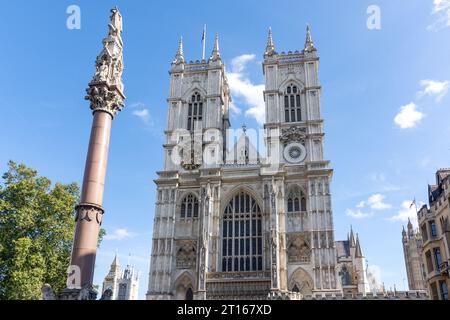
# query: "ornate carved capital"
105 91
89 212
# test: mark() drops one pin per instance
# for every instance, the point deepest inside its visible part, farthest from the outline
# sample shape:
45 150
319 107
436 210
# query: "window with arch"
345 276
296 201
242 235
292 105
189 207
195 111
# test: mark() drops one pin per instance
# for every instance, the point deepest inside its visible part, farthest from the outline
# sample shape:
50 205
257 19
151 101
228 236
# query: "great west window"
242 235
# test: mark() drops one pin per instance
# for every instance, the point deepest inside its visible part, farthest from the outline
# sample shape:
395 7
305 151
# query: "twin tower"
230 223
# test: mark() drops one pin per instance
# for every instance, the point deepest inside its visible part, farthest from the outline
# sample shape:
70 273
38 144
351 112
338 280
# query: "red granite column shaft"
90 211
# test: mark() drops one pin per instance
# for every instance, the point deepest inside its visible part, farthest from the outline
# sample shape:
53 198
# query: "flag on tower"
413 203
203 42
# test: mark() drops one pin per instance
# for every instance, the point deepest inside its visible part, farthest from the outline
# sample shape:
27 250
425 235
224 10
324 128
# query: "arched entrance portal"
301 282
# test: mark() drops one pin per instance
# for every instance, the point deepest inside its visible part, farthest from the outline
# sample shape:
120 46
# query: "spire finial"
358 251
309 44
215 55
352 237
244 128
270 48
179 57
116 260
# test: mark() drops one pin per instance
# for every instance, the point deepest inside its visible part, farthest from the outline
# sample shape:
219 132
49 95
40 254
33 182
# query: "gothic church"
230 223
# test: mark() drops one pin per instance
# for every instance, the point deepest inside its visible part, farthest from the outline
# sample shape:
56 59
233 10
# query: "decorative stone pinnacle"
309 44
270 48
179 57
105 91
215 55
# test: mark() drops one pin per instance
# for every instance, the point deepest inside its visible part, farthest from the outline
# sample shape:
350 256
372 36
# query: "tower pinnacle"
270 48
352 237
179 57
358 251
215 55
309 44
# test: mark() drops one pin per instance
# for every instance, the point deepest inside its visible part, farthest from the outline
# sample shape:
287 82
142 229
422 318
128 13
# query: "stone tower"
412 250
295 137
229 224
124 285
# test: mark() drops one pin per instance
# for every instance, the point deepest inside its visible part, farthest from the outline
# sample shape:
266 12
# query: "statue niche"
186 254
299 248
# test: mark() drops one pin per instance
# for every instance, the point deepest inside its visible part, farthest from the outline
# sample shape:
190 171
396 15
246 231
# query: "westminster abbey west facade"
229 223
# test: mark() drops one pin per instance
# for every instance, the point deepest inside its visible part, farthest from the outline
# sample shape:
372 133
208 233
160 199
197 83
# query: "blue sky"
384 102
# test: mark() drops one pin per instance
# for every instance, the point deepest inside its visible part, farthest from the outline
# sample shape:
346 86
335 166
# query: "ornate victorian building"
230 224
412 249
434 226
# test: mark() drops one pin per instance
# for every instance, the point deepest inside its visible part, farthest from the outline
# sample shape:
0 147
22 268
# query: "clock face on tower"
294 152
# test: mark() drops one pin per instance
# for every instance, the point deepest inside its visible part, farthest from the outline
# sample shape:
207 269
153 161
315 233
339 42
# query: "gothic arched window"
242 235
345 276
296 201
189 207
292 105
195 111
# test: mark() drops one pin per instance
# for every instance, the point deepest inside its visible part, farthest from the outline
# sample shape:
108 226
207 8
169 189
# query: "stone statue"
47 292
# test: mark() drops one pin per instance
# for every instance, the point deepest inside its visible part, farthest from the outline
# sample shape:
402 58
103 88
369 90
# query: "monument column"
106 97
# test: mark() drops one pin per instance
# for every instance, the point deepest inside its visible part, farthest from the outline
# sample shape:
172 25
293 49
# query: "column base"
86 293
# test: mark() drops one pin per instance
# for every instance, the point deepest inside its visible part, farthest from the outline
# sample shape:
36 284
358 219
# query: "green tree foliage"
36 232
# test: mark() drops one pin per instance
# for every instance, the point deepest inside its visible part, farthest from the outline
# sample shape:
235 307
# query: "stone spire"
309 44
105 91
179 57
215 55
352 237
115 262
270 48
358 251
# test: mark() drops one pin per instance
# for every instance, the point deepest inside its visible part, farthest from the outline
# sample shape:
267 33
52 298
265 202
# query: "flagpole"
204 41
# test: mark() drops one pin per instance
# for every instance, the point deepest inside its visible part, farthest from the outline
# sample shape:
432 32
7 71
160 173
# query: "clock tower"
294 140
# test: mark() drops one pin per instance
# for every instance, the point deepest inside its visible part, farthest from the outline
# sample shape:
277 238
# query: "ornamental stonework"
293 133
299 248
186 254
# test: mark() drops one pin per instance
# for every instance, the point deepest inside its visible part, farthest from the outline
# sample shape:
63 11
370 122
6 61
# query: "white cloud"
358 214
373 203
242 88
376 202
434 88
441 10
119 234
143 114
408 117
406 212
235 109
238 64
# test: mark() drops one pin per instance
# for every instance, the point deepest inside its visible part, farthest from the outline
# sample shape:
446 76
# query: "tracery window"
296 201
189 207
292 105
242 235
195 111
